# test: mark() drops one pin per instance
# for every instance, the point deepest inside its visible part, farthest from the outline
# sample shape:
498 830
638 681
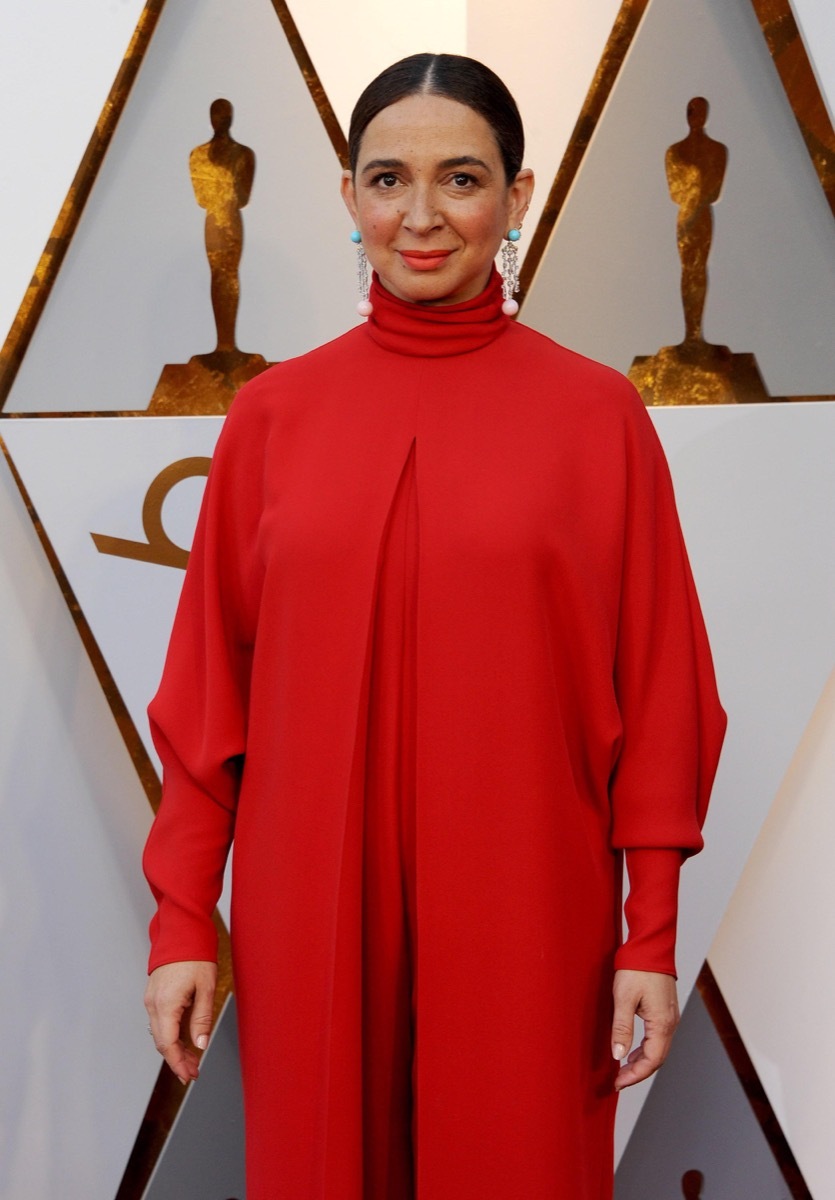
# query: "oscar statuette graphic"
696 371
222 173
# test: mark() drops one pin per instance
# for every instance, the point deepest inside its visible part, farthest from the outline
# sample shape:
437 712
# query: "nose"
422 215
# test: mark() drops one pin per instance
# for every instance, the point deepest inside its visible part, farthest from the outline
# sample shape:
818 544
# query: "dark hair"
455 77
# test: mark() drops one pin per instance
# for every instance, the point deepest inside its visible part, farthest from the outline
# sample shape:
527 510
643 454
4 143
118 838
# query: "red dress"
437 662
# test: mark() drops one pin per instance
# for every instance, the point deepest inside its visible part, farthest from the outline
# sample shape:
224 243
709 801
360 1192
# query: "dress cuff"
177 936
651 911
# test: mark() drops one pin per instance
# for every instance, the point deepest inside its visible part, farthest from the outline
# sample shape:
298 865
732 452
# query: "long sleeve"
198 717
672 722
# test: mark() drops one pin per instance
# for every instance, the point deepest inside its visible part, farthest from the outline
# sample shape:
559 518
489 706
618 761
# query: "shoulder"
312 365
582 385
273 395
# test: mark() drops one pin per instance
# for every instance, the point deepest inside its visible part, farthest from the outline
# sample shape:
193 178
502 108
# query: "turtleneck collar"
436 330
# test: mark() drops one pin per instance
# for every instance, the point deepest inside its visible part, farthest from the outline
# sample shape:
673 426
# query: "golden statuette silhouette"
696 371
222 172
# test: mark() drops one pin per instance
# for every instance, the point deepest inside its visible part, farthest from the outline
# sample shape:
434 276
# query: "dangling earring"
510 272
364 307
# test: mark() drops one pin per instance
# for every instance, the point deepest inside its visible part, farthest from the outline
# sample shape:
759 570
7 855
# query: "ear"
349 194
519 198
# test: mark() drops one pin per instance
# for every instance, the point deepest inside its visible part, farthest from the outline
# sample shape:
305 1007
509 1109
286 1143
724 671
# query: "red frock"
437 661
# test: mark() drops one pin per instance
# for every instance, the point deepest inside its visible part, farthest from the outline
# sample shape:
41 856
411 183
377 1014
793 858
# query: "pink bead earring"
510 272
364 306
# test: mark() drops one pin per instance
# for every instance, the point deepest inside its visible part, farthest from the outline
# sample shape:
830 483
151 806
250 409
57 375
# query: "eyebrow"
464 160
387 164
391 164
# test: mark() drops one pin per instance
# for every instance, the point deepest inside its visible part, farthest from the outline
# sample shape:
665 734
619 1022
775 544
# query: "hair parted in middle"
456 77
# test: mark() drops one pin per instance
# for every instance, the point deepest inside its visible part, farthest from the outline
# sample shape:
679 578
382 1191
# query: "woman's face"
431 199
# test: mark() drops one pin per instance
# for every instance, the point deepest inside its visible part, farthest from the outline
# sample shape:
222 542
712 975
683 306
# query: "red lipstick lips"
424 260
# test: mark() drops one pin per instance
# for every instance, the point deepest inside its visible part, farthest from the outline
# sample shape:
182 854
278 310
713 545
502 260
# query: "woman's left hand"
653 998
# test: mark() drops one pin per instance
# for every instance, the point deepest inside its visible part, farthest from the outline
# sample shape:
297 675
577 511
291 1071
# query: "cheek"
379 223
488 225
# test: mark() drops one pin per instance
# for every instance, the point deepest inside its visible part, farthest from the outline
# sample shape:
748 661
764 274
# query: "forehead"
430 126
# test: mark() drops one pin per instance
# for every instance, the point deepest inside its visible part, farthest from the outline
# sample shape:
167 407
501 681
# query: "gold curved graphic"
158 547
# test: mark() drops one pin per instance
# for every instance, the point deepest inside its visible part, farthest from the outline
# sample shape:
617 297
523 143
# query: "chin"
429 290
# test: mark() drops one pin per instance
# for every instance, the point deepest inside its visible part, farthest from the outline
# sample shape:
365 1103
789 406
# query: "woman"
438 661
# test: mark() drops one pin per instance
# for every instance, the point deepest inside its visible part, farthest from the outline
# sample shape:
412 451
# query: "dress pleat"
388 906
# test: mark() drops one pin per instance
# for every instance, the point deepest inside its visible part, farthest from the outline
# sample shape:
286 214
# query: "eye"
386 180
462 180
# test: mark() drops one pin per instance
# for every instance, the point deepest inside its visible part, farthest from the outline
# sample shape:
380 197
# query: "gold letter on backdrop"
158 548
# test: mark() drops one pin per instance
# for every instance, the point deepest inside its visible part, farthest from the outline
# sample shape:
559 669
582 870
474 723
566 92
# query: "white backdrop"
753 485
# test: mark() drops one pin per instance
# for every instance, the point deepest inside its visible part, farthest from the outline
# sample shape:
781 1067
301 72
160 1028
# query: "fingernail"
618 1051
202 1042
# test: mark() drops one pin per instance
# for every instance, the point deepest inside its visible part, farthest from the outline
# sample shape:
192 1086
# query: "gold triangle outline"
794 67
37 293
626 26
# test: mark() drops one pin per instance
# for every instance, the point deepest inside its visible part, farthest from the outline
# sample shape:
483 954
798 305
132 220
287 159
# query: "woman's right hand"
179 999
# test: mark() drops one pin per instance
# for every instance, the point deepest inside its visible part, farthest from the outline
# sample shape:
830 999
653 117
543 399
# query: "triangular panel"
108 466
133 292
698 1137
610 279
772 955
77 1060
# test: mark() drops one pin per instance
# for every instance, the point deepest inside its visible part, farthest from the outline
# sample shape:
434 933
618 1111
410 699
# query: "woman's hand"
179 997
653 998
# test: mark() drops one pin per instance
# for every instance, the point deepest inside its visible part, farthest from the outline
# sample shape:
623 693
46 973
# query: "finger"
182 1061
646 1059
639 1066
623 1026
179 1058
200 1025
165 1011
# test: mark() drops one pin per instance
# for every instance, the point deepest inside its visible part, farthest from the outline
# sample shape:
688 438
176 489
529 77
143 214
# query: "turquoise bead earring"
510 272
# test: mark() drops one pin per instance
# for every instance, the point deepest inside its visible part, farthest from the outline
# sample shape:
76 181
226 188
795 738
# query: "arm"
673 727
198 722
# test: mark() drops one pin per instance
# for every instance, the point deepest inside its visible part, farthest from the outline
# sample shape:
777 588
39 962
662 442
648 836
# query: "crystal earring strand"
510 272
364 307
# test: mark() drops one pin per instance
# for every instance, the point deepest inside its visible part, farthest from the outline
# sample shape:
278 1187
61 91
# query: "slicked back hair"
456 77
